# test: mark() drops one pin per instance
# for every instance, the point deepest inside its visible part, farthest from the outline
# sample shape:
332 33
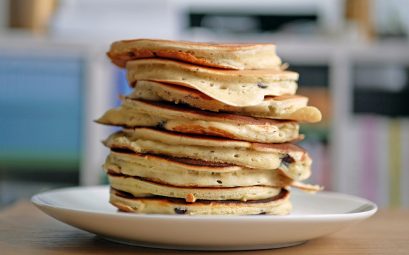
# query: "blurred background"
352 56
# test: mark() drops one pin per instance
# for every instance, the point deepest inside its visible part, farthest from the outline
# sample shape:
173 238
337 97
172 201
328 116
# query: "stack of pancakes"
207 129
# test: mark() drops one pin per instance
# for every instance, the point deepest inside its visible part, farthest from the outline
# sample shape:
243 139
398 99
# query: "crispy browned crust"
212 131
121 58
195 129
185 162
284 107
283 148
120 206
166 63
282 181
180 201
162 183
216 116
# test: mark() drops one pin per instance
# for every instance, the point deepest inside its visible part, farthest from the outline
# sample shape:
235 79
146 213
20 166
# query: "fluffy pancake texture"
208 129
291 159
228 56
288 107
136 113
277 205
236 88
140 187
191 173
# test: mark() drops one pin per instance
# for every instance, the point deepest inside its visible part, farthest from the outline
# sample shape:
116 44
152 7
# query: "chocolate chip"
287 160
180 211
219 181
161 124
261 85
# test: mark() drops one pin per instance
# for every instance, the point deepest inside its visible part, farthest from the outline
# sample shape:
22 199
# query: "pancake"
176 138
190 173
288 107
229 56
140 187
290 158
236 88
136 113
277 205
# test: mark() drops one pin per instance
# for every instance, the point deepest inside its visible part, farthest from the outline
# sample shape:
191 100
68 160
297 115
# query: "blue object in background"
40 111
123 87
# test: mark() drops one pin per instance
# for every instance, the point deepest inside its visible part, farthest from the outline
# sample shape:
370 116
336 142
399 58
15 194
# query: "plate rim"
372 208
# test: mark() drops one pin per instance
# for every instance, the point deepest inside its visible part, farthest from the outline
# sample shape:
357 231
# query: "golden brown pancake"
207 130
137 113
140 187
228 56
237 88
184 172
288 107
276 205
290 158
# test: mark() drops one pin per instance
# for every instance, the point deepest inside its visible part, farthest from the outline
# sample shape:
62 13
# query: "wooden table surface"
26 230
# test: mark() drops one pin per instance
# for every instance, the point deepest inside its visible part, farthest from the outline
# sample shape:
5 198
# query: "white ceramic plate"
314 215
